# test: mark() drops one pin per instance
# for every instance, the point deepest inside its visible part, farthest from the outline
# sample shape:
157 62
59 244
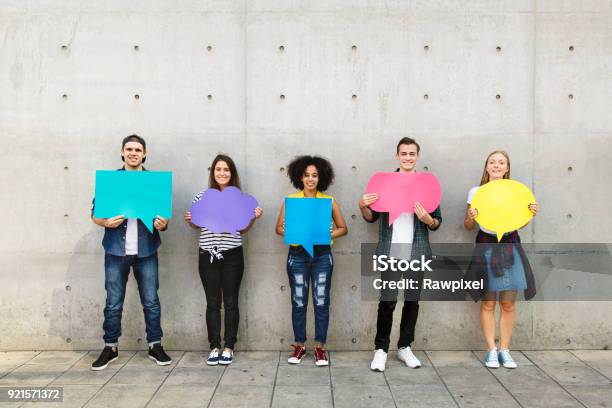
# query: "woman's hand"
258 212
473 213
367 199
187 217
534 208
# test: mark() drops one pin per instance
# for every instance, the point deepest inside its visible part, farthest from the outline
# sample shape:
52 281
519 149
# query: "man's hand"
114 222
160 223
422 214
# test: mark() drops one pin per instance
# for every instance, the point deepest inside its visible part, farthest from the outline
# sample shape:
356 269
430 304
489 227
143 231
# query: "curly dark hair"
298 166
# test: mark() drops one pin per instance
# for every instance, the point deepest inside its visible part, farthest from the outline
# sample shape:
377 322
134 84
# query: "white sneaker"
405 354
506 359
491 359
379 360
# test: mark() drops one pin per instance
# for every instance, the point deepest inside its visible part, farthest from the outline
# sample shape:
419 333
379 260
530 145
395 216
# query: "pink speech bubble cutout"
398 192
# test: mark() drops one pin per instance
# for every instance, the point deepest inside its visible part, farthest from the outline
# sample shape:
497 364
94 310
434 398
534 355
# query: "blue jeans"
117 271
303 270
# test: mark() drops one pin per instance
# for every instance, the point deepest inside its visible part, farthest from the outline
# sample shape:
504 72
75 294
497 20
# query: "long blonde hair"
485 175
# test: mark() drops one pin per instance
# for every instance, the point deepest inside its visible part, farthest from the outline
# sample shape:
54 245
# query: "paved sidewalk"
264 379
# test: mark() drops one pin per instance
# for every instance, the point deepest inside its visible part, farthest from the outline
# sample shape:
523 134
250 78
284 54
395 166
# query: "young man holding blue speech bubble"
128 243
411 231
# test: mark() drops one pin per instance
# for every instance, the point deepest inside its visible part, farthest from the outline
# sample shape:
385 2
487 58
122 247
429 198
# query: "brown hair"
485 176
234 179
407 141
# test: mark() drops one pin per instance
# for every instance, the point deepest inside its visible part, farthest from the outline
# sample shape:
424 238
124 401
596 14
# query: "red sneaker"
320 357
298 354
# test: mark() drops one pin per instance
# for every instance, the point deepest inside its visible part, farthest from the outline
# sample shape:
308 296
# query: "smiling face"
310 178
497 166
223 175
407 156
133 154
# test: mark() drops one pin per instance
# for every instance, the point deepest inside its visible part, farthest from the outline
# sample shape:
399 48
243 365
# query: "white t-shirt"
469 201
131 237
403 235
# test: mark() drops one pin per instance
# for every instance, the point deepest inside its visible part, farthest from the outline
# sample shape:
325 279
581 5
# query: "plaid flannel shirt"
420 243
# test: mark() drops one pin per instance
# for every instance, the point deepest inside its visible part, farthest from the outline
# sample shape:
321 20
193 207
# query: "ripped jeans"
305 270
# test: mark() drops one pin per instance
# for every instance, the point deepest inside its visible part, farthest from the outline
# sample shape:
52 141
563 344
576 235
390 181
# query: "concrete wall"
389 54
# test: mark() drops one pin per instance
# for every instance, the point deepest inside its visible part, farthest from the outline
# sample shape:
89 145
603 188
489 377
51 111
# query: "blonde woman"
503 266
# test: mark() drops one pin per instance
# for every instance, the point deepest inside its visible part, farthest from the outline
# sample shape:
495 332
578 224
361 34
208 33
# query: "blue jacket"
114 238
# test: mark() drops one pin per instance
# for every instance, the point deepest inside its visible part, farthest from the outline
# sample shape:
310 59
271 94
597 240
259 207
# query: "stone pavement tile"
475 386
533 388
75 396
67 358
553 357
12 359
193 359
249 396
122 396
592 395
248 375
182 396
304 375
203 376
350 358
575 375
33 374
141 359
356 376
302 396
423 395
453 358
602 357
81 372
153 375
256 358
358 395
518 356
404 375
601 360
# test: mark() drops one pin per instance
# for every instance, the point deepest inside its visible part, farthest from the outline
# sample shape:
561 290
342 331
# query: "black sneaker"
107 356
157 354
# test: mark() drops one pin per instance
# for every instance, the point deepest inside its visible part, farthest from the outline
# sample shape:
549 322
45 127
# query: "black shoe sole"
161 363
104 366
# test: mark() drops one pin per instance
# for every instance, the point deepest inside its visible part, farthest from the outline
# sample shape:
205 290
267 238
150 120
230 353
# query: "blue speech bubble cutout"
308 222
134 194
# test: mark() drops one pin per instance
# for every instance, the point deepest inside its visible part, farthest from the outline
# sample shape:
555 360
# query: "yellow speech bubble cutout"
503 206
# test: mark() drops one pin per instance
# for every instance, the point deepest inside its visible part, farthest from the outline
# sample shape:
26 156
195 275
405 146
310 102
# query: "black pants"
410 312
221 280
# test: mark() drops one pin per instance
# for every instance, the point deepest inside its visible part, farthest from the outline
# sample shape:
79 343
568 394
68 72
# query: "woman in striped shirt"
221 265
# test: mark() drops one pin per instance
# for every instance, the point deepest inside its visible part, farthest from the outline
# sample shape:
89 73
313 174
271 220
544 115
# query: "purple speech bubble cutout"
229 210
398 192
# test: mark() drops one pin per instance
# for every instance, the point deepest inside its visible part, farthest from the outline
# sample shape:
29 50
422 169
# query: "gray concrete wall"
52 290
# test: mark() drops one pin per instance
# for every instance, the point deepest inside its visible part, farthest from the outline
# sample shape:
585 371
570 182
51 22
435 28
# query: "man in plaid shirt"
411 230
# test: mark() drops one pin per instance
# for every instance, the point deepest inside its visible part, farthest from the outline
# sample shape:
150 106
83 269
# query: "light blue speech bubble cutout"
308 222
134 194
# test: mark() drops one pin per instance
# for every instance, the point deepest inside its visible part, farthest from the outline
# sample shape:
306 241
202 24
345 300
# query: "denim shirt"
114 238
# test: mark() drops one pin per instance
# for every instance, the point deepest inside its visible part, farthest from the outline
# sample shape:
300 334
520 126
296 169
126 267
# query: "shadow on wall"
77 309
